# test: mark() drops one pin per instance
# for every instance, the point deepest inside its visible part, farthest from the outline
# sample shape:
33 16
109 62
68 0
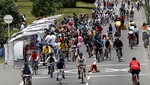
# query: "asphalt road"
111 72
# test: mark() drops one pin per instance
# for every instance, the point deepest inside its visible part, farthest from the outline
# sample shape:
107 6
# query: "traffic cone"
93 66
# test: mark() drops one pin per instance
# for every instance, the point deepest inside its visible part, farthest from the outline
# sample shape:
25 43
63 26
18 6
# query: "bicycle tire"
82 76
51 72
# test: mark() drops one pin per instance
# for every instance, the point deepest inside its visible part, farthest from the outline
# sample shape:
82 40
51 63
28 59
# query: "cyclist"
108 45
118 28
136 32
51 60
26 71
131 37
46 50
81 61
34 58
118 45
144 31
110 31
60 65
134 68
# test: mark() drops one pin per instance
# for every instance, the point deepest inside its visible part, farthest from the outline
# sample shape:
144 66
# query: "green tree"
68 3
9 7
42 8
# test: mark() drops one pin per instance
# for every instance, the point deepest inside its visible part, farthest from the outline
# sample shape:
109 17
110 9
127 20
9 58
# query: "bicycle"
51 69
99 54
60 73
107 53
35 66
27 79
119 55
135 80
89 50
131 43
81 68
110 35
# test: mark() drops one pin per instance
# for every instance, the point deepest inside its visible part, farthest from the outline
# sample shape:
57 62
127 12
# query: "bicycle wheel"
60 77
98 57
51 71
82 75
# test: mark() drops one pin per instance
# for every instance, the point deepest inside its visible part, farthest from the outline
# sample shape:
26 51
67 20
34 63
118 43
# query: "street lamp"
8 19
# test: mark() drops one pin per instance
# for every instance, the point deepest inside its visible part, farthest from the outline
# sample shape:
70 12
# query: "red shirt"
34 56
134 65
99 28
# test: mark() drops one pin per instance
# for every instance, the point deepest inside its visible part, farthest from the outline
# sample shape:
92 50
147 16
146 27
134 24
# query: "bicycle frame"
81 68
135 80
119 54
34 67
60 73
50 66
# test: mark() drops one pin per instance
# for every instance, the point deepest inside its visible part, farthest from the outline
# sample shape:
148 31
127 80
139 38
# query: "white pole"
8 32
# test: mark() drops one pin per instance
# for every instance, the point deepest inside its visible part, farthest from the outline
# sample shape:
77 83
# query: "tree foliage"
88 1
43 8
68 3
9 7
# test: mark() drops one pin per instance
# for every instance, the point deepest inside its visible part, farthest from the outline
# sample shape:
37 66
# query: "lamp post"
8 19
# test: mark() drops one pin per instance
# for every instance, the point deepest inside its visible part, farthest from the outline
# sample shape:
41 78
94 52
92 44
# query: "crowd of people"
64 43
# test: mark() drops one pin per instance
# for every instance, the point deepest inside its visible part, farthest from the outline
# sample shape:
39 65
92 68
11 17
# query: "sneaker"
79 77
63 77
84 75
57 79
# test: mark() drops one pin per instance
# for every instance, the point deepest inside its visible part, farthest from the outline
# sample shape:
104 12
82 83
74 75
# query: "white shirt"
50 39
47 39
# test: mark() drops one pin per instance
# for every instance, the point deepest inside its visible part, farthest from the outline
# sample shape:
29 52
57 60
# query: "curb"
143 15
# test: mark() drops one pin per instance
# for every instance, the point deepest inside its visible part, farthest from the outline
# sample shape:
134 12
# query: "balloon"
80 39
79 45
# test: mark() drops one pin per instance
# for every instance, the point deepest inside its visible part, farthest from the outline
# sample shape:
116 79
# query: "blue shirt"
2 52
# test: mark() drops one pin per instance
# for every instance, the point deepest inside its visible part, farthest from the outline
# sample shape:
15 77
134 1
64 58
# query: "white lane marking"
108 65
88 78
21 83
94 76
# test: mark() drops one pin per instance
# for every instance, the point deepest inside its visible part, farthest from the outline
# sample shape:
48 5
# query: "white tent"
14 47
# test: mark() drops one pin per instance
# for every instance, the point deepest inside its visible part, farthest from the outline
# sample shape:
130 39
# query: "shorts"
135 72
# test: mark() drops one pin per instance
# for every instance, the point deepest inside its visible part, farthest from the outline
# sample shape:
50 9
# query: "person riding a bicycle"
107 47
134 68
118 27
60 65
51 61
144 30
34 58
26 70
46 50
118 45
110 31
131 37
81 61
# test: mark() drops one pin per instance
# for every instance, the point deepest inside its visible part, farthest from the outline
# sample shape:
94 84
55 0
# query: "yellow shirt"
63 46
117 23
91 34
144 27
46 50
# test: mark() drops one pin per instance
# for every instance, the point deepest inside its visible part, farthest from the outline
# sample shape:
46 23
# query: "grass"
25 7
1 60
81 8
